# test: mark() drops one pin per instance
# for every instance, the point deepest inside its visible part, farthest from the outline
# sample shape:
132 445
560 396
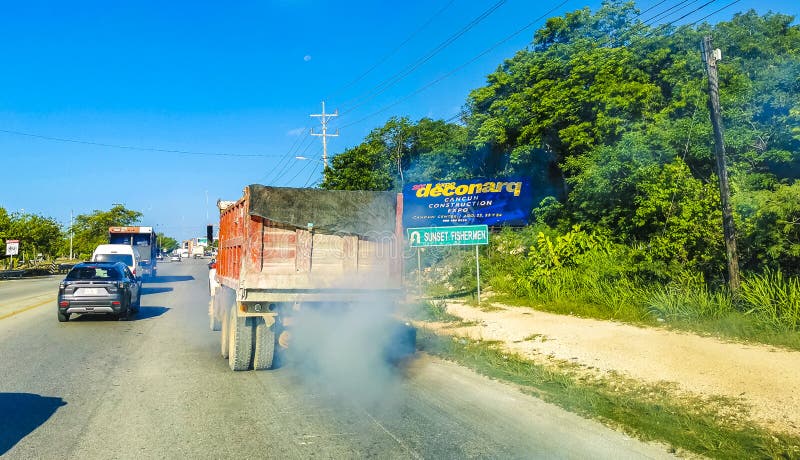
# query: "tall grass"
772 298
582 274
689 299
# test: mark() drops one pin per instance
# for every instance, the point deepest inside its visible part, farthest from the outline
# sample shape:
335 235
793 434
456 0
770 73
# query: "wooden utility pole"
710 58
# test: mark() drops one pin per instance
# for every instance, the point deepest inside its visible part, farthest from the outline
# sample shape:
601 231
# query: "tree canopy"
608 117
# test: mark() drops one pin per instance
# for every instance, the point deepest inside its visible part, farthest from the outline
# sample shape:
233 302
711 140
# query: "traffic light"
210 233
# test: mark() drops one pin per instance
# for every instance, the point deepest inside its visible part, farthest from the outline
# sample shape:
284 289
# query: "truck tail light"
63 303
115 303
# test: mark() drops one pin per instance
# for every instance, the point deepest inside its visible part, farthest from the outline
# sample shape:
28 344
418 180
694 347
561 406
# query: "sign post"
463 235
419 270
478 273
12 249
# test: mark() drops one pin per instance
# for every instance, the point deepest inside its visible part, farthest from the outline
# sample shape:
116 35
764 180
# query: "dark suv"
99 287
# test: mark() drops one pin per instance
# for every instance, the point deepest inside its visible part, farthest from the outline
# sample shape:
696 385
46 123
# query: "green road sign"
448 236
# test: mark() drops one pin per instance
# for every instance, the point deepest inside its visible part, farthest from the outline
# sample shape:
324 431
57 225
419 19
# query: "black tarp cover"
354 212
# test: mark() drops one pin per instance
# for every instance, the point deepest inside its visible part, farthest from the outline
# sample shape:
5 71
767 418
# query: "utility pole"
324 117
710 58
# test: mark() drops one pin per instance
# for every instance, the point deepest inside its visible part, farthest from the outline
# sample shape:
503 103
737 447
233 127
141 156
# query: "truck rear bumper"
319 295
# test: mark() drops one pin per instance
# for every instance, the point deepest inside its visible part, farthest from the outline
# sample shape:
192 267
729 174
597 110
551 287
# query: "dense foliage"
608 117
44 237
37 235
90 230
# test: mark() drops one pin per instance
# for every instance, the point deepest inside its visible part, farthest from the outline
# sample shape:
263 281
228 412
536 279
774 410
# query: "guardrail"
7 274
42 270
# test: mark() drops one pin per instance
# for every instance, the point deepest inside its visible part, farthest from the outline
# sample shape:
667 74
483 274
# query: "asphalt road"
156 387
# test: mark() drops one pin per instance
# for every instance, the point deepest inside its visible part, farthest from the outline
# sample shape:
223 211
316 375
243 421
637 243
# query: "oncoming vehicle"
99 288
145 240
175 257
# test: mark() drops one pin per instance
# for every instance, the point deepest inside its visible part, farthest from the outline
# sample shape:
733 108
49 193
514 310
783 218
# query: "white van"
119 253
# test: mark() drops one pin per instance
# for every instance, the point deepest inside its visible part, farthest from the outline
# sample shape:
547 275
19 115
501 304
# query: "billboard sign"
467 202
462 235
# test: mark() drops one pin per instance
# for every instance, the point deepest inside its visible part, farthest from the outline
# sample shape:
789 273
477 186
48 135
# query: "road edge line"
8 315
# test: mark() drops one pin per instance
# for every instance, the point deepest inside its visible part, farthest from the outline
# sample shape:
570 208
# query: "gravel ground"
766 379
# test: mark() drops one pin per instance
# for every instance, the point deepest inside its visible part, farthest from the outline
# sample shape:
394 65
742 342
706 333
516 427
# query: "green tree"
570 93
5 223
398 152
166 243
608 115
770 228
36 234
90 230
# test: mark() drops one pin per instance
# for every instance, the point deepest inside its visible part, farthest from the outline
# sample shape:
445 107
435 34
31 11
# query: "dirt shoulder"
763 378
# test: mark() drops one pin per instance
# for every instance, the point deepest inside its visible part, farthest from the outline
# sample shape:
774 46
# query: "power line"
434 82
669 11
287 165
308 163
313 172
298 143
394 79
715 12
668 24
131 147
392 52
480 55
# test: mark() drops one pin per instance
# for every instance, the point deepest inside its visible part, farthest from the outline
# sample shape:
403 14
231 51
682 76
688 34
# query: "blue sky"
237 79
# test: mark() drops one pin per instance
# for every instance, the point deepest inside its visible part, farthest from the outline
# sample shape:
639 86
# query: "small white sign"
12 247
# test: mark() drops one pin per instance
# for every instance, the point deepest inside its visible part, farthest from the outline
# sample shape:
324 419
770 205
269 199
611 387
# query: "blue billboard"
467 202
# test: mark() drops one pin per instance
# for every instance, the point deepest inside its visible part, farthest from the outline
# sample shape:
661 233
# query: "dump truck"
144 239
282 250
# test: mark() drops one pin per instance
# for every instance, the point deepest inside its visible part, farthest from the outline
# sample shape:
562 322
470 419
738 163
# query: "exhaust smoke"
351 350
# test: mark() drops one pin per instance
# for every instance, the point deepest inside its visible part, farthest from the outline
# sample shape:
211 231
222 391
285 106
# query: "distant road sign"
464 235
12 247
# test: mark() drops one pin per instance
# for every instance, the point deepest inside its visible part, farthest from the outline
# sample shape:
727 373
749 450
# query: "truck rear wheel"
265 345
240 339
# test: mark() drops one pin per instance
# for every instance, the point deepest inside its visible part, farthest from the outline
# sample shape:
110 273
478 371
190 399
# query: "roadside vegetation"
607 118
587 274
45 239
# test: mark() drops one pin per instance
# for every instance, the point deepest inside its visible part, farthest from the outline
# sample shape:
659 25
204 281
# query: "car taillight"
134 272
63 303
115 302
